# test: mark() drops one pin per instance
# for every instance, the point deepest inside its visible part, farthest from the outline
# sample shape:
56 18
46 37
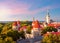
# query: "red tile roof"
56 33
15 23
36 24
54 25
22 28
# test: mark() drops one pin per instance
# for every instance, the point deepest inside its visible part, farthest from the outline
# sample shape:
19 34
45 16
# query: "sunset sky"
27 9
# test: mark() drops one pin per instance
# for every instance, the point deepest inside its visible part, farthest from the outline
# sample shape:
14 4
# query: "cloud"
12 7
16 8
20 7
23 8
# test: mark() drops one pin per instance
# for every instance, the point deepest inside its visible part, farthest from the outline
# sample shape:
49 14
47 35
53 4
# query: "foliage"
2 41
14 34
48 29
7 35
9 40
22 34
51 38
25 23
28 29
4 30
3 36
1 26
9 24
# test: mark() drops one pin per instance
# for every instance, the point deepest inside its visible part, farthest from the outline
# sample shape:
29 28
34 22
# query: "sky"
11 10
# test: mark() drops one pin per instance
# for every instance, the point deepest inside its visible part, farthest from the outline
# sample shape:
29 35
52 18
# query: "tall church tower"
47 18
35 28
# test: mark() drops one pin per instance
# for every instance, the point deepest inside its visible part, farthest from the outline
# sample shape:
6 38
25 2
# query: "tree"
1 27
47 39
9 40
28 29
3 36
22 34
14 34
48 29
4 30
51 38
1 40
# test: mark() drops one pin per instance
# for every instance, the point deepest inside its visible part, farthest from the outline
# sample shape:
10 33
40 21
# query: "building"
35 28
55 25
23 28
50 22
16 25
47 18
35 31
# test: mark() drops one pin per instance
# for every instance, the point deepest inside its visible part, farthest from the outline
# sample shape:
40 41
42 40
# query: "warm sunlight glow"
4 10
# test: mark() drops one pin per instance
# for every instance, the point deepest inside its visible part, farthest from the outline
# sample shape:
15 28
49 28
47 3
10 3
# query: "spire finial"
33 18
47 11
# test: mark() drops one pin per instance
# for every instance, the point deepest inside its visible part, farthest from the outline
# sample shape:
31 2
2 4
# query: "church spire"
48 17
48 13
33 19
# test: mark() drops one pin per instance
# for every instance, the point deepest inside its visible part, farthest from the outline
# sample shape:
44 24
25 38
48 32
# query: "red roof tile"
54 25
24 27
36 24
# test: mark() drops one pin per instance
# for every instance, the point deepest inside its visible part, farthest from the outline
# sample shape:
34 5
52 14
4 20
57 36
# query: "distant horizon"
21 21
